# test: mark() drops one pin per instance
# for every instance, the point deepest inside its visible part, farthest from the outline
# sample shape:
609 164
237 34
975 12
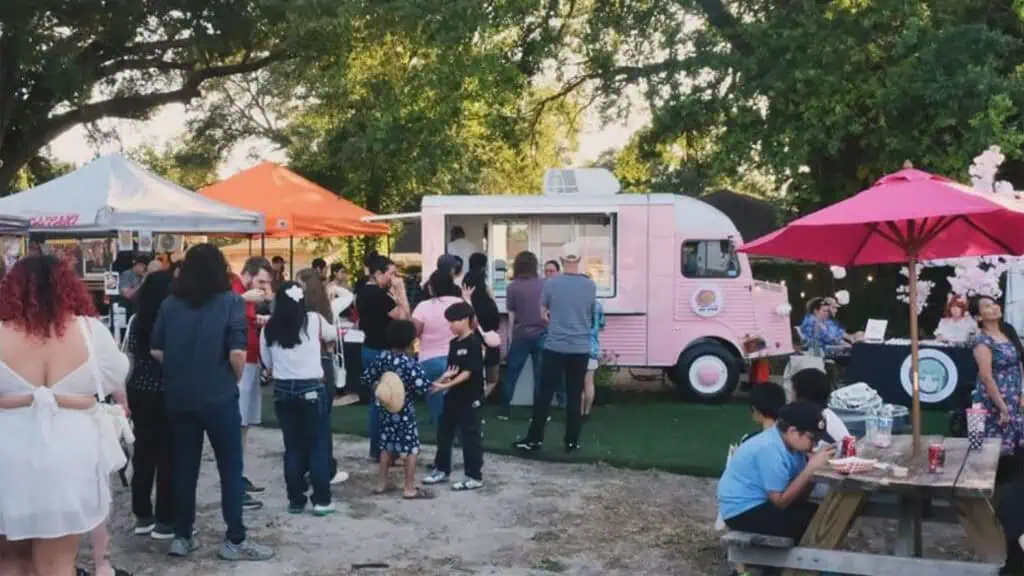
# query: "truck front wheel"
706 372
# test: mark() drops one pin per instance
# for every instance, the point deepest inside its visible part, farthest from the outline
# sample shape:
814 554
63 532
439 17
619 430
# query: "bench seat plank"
854 563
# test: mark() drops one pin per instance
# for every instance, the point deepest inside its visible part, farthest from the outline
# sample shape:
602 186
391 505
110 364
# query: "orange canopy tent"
292 205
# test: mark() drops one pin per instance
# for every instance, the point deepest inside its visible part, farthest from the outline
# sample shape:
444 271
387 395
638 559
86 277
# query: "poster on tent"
124 241
70 251
145 241
98 255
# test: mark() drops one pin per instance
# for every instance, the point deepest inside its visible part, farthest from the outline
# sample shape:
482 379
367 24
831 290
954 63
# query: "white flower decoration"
295 293
838 272
843 297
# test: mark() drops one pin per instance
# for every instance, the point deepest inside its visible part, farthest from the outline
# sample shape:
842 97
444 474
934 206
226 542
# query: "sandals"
467 484
419 494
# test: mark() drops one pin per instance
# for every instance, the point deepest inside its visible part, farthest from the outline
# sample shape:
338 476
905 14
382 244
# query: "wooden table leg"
984 532
908 527
831 522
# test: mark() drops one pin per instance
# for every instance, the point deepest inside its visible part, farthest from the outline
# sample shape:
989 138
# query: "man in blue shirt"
765 485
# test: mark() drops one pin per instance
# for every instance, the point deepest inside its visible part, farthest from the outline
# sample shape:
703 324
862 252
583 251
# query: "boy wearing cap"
765 485
464 386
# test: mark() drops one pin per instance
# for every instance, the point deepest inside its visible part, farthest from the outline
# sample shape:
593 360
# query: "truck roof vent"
589 181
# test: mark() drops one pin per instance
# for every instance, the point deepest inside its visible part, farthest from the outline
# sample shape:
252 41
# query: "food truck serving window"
710 259
546 235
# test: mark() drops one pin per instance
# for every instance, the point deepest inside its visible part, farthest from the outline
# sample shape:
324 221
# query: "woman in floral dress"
998 353
399 436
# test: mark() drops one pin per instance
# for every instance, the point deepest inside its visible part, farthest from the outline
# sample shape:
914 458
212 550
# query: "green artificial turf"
670 435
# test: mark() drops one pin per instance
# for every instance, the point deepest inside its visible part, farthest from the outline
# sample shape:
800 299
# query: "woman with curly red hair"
52 351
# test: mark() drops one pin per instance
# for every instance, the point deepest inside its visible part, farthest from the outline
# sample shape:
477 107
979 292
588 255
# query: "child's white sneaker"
467 484
324 509
435 477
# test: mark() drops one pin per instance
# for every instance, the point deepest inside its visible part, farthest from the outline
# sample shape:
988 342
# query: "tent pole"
291 257
915 384
250 245
263 245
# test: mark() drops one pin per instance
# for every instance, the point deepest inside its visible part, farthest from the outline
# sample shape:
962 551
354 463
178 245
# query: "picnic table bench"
959 494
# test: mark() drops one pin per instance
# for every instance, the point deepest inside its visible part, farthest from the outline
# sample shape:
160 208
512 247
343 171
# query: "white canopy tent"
112 193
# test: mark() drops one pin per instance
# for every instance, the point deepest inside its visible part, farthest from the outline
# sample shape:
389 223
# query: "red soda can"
849 447
936 457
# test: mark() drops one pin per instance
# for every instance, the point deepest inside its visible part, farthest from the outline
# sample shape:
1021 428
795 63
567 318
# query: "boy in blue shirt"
765 485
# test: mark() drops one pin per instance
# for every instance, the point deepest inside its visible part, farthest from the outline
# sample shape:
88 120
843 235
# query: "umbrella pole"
915 385
291 257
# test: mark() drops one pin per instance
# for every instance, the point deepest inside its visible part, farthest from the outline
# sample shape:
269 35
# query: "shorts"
592 364
250 398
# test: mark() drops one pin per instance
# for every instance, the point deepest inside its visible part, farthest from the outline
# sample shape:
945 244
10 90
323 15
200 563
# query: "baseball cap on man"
805 417
448 263
570 252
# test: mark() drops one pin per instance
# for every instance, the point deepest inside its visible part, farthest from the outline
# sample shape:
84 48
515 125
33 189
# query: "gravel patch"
530 518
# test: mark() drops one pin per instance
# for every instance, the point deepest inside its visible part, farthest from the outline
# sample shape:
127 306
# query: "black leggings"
766 519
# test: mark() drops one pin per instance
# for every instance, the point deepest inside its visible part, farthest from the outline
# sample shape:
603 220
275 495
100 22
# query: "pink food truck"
676 294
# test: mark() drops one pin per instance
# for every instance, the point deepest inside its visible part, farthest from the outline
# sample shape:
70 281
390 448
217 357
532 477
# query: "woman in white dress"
54 484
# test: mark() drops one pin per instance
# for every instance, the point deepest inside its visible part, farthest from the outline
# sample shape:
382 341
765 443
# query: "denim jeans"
369 355
434 368
222 424
519 350
300 406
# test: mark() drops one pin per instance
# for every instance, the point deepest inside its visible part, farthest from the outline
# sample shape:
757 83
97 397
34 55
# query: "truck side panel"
663 337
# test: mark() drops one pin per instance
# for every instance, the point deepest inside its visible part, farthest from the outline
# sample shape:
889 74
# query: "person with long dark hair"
998 353
55 356
381 300
290 348
522 301
488 318
434 332
151 459
317 301
200 339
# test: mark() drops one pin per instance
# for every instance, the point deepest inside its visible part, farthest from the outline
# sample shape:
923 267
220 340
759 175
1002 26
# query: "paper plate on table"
852 465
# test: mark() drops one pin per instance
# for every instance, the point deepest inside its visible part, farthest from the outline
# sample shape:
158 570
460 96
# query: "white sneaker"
324 509
339 477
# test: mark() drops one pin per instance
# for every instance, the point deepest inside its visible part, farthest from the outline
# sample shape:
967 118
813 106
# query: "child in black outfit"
464 383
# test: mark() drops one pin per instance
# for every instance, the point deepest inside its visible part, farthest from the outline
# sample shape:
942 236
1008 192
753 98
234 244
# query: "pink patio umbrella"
906 217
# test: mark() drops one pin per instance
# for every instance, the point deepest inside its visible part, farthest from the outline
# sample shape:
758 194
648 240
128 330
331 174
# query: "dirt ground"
531 518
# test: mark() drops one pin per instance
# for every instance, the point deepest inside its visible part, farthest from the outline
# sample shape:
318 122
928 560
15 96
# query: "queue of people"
203 341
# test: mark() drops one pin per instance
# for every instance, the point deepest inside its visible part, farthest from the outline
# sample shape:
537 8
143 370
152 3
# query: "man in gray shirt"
567 302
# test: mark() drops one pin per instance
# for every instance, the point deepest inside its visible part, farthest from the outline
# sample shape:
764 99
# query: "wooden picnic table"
966 483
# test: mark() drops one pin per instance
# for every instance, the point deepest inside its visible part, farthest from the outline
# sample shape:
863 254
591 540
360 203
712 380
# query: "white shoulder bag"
111 420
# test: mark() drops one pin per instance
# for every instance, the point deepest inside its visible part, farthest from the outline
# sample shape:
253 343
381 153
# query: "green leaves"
820 99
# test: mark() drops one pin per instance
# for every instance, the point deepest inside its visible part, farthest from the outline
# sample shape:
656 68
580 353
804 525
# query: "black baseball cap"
805 417
447 262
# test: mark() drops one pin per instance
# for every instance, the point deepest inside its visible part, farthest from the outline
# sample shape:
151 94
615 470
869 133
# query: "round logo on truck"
707 301
936 375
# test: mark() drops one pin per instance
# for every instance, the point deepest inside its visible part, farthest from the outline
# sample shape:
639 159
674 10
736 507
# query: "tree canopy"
65 63
820 98
386 100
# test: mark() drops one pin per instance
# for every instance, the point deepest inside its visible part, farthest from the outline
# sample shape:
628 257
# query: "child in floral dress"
398 433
